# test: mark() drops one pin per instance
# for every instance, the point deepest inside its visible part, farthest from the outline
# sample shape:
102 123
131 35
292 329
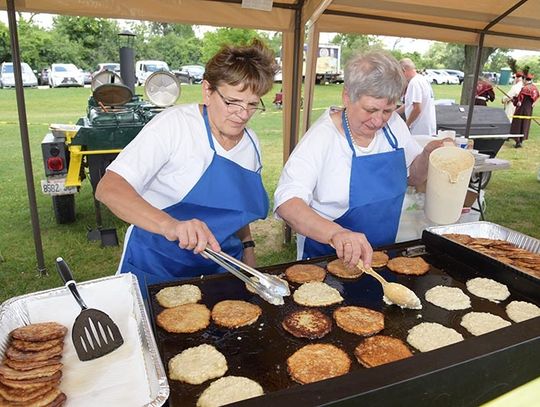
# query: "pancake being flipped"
408 265
337 268
380 259
304 273
380 349
235 313
359 320
308 323
316 362
316 294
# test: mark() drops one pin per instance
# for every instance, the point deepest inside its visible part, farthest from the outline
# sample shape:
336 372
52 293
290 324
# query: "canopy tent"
502 23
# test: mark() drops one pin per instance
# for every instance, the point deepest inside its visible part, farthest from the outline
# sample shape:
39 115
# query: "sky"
405 44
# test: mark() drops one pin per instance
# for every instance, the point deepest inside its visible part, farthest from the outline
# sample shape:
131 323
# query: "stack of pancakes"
31 371
502 250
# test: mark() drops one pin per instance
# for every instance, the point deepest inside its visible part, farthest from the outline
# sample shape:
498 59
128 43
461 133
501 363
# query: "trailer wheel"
475 179
64 208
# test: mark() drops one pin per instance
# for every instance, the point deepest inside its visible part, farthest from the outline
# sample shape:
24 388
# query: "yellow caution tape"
30 124
526 117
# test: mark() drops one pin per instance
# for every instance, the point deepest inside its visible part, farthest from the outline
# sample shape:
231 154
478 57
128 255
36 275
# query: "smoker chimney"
127 59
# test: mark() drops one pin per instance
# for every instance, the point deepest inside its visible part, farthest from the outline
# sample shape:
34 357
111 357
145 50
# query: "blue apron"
378 183
227 197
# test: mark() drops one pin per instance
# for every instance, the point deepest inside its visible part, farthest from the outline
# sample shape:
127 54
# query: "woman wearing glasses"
191 178
343 186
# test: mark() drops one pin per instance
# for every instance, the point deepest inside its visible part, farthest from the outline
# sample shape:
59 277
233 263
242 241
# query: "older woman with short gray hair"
343 186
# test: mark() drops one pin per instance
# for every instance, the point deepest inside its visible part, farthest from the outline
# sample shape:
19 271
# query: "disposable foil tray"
467 373
434 236
17 312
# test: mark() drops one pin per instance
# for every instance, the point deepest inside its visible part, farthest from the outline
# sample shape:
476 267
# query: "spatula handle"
67 276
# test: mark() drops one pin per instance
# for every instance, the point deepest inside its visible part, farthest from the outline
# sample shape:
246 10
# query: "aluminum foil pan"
15 313
490 231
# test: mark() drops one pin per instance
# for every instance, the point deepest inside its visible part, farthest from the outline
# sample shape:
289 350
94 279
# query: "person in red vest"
484 93
524 102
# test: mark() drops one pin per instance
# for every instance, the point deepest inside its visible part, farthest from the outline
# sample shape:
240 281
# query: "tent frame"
303 16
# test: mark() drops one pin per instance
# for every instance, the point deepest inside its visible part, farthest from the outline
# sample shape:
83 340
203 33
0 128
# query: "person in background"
191 178
343 186
419 101
508 99
484 92
524 102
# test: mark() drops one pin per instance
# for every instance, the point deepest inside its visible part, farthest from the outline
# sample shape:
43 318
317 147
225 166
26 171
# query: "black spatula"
94 333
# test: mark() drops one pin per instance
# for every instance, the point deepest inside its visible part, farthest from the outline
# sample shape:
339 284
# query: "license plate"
56 187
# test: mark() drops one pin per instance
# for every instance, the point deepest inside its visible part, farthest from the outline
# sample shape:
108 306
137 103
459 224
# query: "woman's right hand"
351 247
191 234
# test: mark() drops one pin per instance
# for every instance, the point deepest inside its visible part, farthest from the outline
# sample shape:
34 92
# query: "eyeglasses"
238 108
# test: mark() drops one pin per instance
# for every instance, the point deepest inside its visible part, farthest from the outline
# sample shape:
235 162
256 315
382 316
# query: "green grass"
512 196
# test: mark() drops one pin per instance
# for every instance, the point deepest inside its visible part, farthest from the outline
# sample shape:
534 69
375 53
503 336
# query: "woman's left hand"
249 257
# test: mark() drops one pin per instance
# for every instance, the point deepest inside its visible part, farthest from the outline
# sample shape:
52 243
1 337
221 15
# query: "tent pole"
479 49
23 128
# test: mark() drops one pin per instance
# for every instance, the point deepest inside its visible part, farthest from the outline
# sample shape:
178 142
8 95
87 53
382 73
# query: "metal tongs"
269 287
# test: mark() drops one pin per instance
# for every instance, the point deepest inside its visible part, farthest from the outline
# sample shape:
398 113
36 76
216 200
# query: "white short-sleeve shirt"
420 91
318 170
171 153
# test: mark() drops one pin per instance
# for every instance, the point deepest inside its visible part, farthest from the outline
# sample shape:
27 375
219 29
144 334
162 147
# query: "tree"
354 43
468 68
213 41
5 48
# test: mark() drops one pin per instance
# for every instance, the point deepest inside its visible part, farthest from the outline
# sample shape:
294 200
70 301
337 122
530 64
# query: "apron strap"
392 139
211 140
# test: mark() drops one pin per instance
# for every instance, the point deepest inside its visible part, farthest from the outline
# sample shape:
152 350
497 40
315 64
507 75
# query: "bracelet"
248 243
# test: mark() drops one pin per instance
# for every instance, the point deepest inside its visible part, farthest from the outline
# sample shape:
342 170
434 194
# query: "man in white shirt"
508 99
419 106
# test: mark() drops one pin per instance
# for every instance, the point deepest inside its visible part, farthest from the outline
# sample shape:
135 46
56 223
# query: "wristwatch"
248 243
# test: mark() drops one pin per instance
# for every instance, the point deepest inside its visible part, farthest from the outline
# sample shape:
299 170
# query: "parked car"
493 77
107 66
454 72
87 76
196 72
7 77
65 75
43 77
440 77
143 69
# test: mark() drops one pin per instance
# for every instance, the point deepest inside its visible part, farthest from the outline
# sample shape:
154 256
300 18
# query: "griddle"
471 372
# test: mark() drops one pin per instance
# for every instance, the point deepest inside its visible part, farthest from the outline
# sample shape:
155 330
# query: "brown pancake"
337 268
12 374
43 400
379 259
33 383
408 265
187 318
304 273
22 395
27 346
460 238
307 323
15 354
235 313
359 320
44 331
17 365
380 349
58 401
317 362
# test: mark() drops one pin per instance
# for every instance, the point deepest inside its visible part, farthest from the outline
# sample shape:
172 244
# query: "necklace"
349 129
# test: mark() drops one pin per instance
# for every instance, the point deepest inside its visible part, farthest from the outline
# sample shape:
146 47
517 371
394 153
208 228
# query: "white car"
65 75
7 77
439 77
143 69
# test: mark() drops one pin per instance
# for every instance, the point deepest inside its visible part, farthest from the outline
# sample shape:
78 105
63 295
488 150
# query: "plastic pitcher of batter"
449 173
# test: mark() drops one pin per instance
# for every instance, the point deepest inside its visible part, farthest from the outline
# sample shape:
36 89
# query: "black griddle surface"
260 351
